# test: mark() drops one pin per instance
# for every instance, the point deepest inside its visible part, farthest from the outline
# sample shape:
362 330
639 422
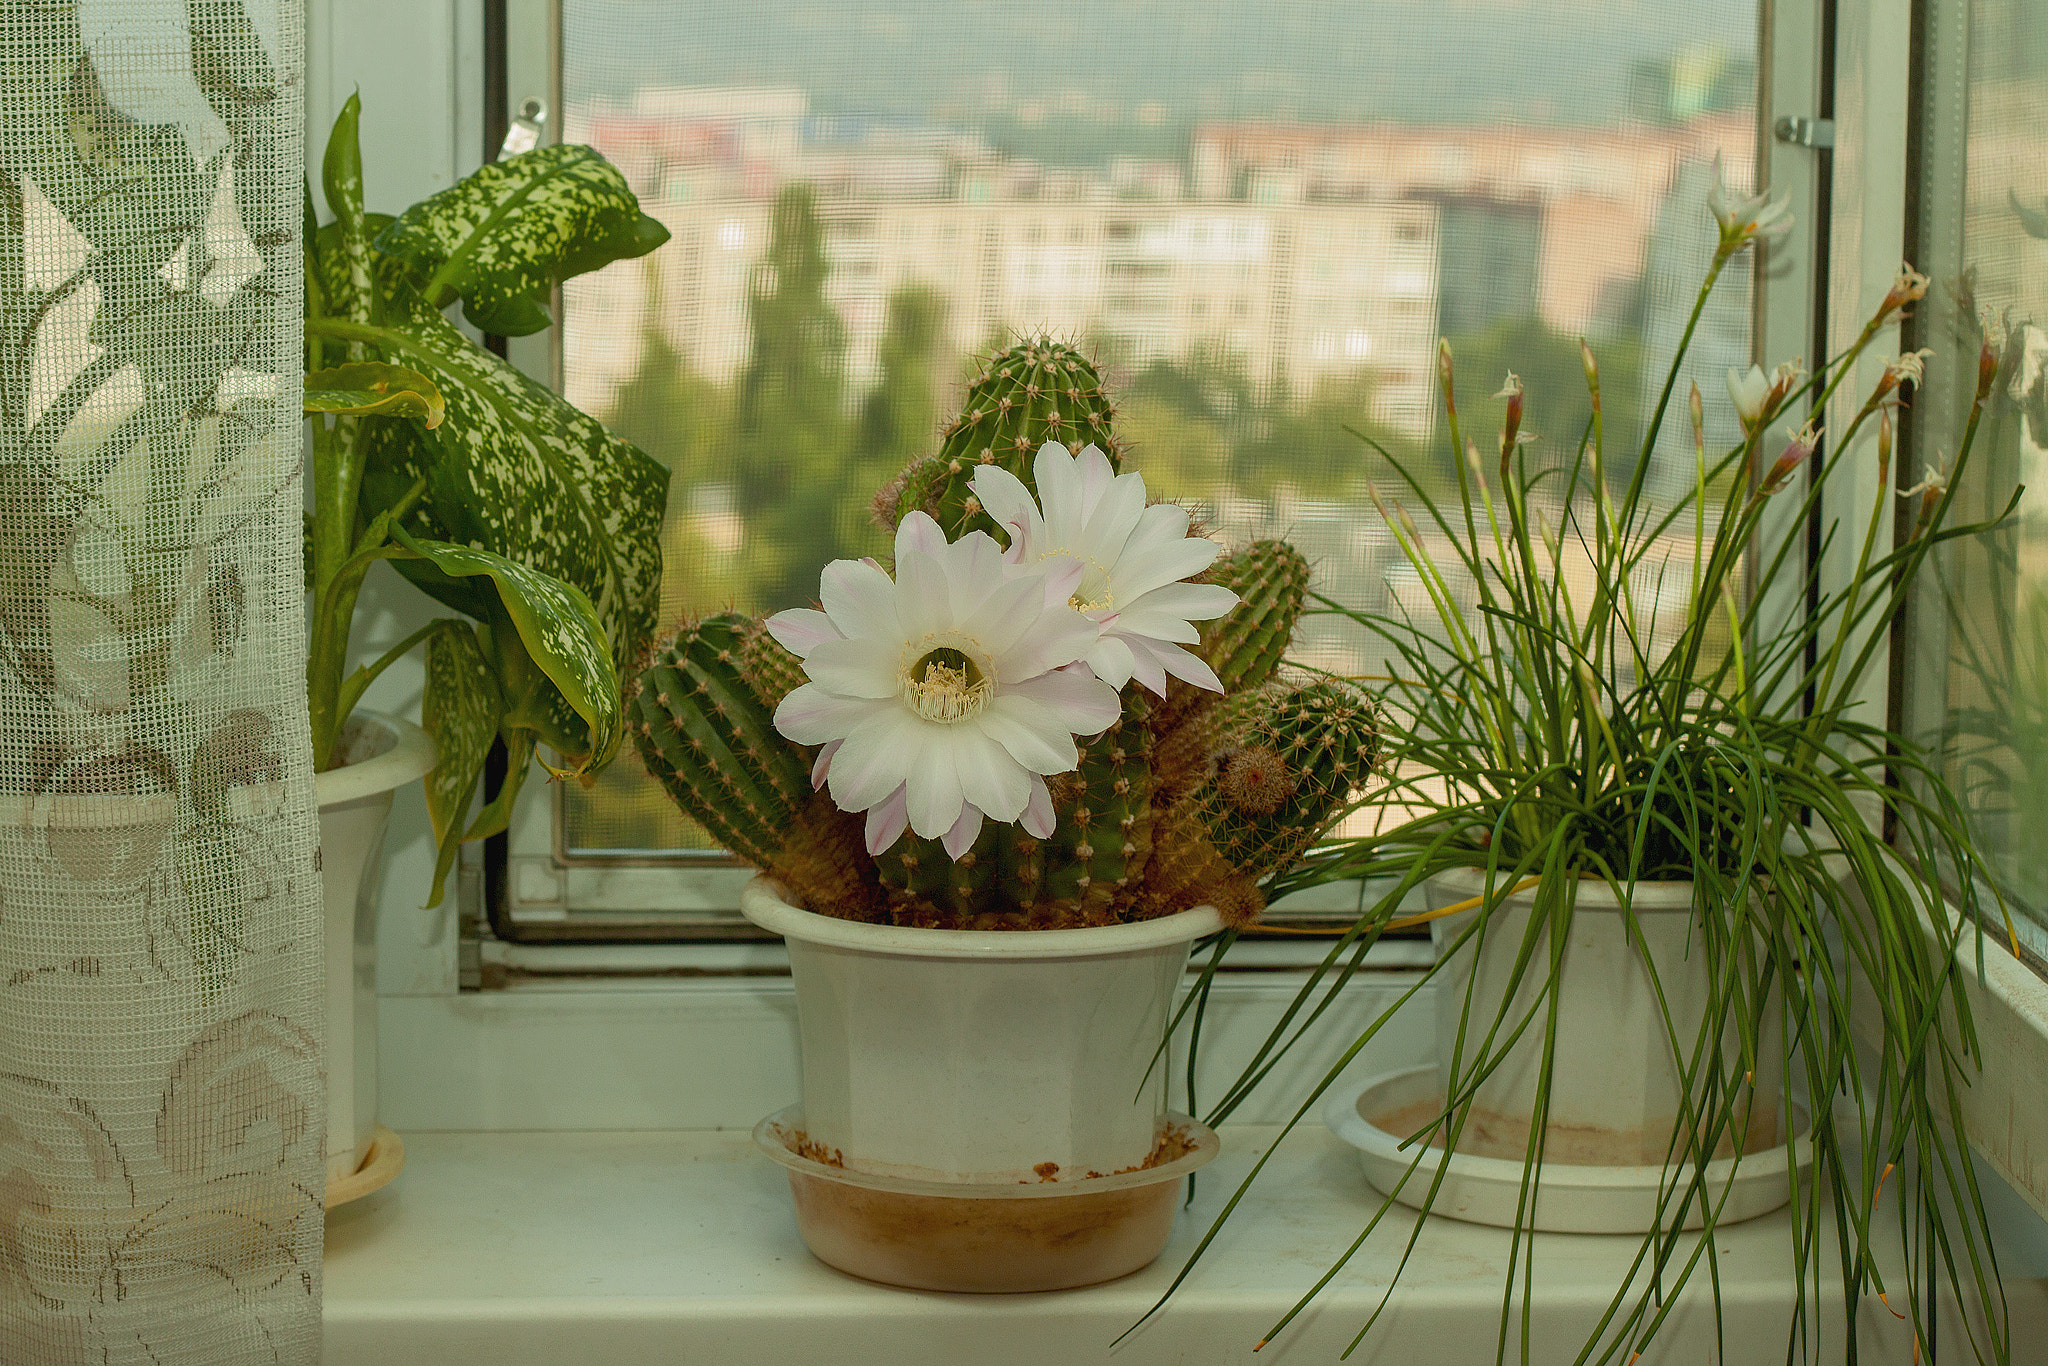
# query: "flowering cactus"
1061 709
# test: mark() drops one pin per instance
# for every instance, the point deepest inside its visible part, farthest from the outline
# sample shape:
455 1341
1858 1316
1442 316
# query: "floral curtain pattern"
161 1088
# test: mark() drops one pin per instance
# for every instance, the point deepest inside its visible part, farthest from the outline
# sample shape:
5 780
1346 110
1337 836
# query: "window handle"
523 133
1805 132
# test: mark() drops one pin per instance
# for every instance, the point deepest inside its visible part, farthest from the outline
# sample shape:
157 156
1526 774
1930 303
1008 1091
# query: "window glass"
1258 215
1979 685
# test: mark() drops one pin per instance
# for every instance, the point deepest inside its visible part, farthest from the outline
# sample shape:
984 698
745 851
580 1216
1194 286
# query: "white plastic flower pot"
380 755
982 1056
1617 1085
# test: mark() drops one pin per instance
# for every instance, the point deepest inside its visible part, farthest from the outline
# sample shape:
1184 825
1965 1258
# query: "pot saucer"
1570 1198
982 1237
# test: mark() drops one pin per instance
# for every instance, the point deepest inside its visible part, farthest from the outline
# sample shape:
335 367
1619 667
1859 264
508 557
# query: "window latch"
1805 132
523 133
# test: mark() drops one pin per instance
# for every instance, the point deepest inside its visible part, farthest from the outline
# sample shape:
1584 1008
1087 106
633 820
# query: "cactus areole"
1057 708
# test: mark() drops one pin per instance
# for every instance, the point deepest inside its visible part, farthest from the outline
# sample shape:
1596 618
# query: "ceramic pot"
982 1056
380 754
1617 1082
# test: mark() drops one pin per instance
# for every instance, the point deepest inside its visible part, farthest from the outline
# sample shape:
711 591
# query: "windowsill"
545 1249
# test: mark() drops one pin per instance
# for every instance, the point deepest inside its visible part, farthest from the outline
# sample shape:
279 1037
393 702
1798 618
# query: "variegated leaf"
558 629
349 290
367 387
504 237
461 709
520 472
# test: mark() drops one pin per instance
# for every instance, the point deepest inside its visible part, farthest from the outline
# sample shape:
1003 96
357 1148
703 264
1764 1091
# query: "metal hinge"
1805 132
469 921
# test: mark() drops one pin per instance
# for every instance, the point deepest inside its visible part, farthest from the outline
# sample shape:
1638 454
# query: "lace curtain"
161 1094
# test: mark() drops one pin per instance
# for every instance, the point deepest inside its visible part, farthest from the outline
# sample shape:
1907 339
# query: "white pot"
982 1055
1616 1087
380 754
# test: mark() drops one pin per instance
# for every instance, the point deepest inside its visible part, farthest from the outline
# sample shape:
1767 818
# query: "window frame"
536 893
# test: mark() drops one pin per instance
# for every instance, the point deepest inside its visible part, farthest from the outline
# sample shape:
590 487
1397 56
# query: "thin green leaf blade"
507 234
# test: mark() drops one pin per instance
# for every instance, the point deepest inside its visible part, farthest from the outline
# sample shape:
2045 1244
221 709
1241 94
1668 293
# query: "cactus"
1085 873
1270 579
709 738
771 672
1033 393
1287 759
1187 799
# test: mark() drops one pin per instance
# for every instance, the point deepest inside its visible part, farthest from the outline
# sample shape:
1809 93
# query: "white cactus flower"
1133 559
947 694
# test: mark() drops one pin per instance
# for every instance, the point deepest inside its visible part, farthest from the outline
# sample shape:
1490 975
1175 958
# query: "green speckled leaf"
348 289
560 634
517 471
503 238
365 387
460 709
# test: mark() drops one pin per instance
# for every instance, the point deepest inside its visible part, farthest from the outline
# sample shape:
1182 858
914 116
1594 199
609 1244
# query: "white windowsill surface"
545 1249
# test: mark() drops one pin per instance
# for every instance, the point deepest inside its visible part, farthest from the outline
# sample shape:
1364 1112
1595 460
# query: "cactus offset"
770 671
1287 759
708 738
1270 579
1030 394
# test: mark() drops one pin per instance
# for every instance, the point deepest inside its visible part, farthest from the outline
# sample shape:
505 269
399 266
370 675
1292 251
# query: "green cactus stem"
710 740
1287 760
1084 873
1034 392
1244 647
771 672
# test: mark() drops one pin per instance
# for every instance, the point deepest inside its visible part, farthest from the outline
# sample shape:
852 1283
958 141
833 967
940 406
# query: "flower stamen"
946 686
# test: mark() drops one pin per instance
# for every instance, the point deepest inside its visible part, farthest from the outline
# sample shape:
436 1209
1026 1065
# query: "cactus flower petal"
1134 557
823 764
942 696
960 838
887 819
800 628
1039 819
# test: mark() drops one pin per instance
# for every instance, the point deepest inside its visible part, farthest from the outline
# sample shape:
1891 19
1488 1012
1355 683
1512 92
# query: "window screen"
1979 666
1258 216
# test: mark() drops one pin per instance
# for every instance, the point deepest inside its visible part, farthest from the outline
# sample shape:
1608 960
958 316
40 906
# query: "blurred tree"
899 419
790 438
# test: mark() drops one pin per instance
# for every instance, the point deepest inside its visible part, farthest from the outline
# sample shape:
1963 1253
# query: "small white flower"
1745 220
1133 559
946 694
1910 367
1932 480
1750 393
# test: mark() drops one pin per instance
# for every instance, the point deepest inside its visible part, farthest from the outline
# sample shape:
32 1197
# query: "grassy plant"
1550 723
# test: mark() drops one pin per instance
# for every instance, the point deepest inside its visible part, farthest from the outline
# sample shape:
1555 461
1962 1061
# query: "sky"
1411 60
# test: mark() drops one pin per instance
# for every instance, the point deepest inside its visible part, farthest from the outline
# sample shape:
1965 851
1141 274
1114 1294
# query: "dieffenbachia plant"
1022 727
492 494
